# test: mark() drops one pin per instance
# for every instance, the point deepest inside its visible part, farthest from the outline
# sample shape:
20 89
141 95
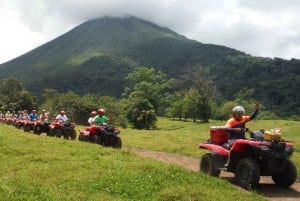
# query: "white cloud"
260 28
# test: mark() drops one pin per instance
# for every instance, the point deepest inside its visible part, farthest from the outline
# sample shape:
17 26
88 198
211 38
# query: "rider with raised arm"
237 124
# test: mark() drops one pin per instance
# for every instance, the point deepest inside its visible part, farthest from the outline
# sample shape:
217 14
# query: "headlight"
264 148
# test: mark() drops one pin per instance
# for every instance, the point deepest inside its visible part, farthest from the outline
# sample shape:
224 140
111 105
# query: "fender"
214 148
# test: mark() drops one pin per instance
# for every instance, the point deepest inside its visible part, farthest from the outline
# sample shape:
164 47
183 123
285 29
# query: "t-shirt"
100 120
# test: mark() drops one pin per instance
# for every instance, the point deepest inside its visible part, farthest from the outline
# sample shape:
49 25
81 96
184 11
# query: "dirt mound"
266 188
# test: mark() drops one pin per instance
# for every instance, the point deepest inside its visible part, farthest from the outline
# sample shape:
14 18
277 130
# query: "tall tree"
151 83
14 97
149 88
202 92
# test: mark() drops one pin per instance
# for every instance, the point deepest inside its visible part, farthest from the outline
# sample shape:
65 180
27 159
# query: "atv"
41 127
62 129
28 125
264 154
105 135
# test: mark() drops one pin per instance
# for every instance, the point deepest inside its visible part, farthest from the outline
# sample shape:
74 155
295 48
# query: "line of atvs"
105 135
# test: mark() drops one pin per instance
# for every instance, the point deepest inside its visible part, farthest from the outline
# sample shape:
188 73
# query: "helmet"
93 113
101 111
62 112
238 109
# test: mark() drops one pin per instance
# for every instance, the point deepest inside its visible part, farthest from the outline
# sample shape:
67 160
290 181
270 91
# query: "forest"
152 94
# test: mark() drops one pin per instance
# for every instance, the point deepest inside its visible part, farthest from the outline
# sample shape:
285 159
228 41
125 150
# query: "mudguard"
214 148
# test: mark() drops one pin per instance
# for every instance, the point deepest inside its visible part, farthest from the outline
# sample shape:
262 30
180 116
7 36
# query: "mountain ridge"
101 52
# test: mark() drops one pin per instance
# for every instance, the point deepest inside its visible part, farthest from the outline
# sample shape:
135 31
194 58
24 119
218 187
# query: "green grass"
43 168
182 137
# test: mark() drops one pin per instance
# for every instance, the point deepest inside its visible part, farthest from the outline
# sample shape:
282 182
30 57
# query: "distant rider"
33 115
43 116
101 119
62 117
91 118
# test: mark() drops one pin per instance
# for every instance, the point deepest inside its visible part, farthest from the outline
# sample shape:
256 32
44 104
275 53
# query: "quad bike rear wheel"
247 173
287 176
73 135
97 139
83 137
207 165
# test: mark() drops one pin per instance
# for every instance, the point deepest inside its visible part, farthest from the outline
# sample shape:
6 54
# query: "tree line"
150 94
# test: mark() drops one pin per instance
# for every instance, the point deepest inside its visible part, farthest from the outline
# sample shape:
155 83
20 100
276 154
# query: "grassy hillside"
43 168
184 137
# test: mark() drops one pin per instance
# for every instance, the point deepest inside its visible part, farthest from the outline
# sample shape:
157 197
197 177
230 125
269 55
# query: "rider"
33 115
100 119
237 124
91 119
44 116
62 117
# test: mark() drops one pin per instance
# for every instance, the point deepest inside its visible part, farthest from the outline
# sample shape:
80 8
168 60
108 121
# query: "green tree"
201 94
14 97
145 97
176 105
141 114
153 84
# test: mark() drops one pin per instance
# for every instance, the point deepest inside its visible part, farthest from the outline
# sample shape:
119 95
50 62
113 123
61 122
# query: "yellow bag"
273 134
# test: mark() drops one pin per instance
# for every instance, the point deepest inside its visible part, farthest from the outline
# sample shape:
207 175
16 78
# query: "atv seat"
218 135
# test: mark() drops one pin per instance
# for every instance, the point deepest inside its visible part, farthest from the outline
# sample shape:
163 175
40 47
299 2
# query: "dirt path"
267 188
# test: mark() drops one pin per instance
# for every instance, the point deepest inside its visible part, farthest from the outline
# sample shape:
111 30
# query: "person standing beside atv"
100 119
237 124
62 117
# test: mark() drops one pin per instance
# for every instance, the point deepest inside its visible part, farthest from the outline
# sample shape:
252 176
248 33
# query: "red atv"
41 127
65 129
264 154
19 123
28 125
105 135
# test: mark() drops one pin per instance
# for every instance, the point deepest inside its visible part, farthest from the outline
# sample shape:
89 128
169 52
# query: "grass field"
184 137
43 168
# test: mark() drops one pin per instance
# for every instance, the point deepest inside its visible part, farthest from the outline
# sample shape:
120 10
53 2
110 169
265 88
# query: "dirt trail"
267 188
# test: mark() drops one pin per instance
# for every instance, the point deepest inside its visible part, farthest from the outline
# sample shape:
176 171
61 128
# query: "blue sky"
261 28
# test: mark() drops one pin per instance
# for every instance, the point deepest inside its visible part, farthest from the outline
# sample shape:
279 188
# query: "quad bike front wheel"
26 128
51 132
247 173
287 176
118 143
37 130
58 132
207 165
73 135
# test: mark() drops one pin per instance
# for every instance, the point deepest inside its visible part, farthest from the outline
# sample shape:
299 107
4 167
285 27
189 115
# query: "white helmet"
238 109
